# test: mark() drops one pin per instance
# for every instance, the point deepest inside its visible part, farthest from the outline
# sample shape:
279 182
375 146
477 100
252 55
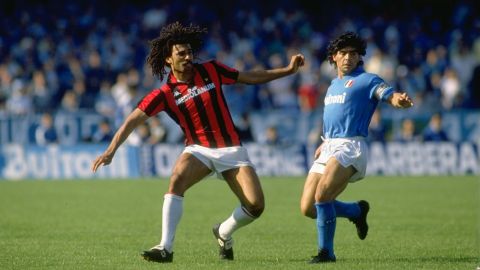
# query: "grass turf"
415 223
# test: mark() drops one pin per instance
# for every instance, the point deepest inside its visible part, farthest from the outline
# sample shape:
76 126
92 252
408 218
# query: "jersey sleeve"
153 102
227 74
379 89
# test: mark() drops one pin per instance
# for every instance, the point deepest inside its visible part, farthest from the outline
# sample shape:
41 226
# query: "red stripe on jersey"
162 100
196 113
152 103
224 77
180 118
228 75
209 118
200 109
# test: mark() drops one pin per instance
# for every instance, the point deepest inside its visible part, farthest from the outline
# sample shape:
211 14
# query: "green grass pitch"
415 223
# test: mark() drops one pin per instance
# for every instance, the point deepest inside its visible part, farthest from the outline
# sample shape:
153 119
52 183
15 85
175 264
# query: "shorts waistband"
356 138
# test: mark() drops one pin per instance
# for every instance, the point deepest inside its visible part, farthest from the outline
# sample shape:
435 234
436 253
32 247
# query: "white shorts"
220 159
347 151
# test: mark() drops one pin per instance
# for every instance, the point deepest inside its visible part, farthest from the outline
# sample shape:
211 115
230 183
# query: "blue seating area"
86 61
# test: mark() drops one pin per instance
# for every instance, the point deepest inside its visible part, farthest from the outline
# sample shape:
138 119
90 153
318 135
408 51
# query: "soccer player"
350 102
193 98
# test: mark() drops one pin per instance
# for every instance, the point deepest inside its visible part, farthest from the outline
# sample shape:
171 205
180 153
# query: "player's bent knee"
308 211
326 193
177 185
256 209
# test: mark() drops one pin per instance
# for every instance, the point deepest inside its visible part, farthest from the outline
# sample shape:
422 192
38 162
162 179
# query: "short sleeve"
380 89
227 74
153 102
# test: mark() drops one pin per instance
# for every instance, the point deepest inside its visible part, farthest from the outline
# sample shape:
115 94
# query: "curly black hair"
172 34
347 39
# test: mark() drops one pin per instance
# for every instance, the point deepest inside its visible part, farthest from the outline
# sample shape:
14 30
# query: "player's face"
181 59
347 59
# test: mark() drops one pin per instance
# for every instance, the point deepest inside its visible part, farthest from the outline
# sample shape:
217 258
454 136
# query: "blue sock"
326 223
346 210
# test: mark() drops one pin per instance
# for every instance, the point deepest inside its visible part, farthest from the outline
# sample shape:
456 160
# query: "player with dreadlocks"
192 96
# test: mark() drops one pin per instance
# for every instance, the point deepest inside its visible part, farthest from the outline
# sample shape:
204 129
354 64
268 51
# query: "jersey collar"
358 70
171 79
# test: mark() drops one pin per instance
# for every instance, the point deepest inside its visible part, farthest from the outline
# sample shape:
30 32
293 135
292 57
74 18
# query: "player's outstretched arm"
263 76
133 120
400 100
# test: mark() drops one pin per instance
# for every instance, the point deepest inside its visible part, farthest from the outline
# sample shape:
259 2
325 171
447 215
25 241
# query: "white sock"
171 214
239 218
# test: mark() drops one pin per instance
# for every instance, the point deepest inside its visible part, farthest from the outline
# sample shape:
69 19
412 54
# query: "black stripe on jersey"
172 113
202 112
226 72
183 108
153 104
218 112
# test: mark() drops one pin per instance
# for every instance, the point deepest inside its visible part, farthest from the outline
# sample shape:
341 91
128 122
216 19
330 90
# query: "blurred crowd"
64 58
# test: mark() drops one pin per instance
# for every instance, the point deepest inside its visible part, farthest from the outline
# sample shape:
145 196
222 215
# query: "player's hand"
404 101
401 100
296 61
104 159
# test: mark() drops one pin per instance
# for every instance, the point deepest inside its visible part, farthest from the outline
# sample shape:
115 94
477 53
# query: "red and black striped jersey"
199 108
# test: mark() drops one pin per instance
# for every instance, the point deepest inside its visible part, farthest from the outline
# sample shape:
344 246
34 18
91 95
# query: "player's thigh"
188 170
333 181
244 182
308 195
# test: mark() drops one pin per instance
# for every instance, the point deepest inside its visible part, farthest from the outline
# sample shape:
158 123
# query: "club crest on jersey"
348 84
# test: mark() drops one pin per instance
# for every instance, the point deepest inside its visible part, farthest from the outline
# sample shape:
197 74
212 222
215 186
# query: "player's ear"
168 60
334 57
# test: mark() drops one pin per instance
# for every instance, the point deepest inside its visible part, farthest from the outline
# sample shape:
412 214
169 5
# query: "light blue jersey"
350 103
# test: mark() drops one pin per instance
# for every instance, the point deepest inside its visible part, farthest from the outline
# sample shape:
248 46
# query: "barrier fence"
19 162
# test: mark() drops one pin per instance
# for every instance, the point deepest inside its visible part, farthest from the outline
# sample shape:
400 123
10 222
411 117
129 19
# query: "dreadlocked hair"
172 34
348 39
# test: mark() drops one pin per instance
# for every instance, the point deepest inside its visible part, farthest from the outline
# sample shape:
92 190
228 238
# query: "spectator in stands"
158 132
46 133
20 101
434 131
104 132
40 92
272 137
244 128
451 89
308 95
84 99
309 91
70 103
95 73
143 133
282 91
376 129
408 132
473 96
105 103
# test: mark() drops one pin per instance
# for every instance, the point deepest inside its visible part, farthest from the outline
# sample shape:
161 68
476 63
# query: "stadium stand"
85 62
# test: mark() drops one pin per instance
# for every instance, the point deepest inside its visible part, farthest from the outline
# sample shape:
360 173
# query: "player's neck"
341 74
183 76
345 72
